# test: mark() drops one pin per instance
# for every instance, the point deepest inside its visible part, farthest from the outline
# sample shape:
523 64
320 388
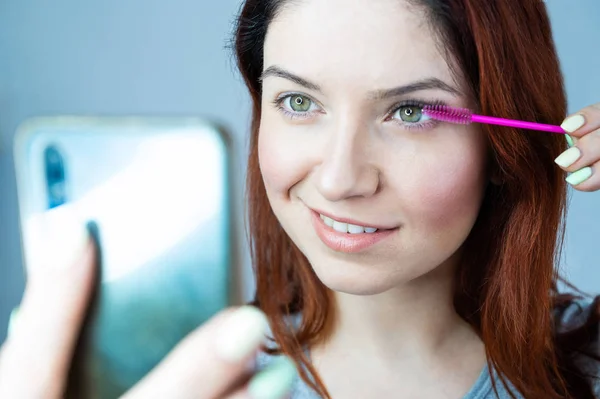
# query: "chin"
358 279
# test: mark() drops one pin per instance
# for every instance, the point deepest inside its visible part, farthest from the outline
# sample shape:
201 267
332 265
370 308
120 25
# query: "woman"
395 256
460 273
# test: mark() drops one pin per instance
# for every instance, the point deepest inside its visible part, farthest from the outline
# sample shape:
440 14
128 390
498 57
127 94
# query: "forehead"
373 42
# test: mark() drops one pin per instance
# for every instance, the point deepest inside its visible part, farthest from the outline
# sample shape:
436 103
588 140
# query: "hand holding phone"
211 362
131 318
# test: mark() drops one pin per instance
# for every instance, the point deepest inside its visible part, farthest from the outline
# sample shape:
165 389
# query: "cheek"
282 157
453 192
270 161
447 188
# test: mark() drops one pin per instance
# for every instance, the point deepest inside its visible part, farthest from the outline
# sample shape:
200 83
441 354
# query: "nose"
346 168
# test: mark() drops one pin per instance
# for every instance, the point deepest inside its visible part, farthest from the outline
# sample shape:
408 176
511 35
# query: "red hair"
506 283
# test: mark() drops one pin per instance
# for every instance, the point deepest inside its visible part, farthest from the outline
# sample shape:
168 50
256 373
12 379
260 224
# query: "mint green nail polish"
580 176
570 141
273 382
12 321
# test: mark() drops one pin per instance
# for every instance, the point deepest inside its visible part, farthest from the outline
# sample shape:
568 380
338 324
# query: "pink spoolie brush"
464 116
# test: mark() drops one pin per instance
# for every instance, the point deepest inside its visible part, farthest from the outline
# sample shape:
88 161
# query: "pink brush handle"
490 120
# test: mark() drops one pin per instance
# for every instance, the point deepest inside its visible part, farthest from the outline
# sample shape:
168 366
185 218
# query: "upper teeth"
347 227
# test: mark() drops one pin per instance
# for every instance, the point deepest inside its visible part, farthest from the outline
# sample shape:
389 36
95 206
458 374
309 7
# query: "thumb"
213 361
60 269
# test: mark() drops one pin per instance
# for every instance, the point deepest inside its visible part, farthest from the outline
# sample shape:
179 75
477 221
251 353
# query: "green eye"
410 113
300 103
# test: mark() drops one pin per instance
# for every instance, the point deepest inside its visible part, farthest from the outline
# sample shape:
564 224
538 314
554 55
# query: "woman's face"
342 139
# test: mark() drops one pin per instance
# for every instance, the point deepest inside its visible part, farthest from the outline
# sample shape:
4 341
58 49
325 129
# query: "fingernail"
570 140
275 381
54 239
12 322
568 158
573 123
580 176
242 333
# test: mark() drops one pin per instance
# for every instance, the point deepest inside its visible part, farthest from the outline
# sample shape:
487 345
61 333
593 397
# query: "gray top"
573 316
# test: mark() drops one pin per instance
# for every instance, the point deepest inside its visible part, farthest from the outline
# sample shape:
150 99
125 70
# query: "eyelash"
414 103
278 103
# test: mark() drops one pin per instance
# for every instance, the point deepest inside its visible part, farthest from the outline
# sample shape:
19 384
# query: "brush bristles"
448 114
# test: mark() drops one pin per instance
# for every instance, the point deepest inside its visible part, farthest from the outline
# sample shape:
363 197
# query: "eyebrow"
419 85
276 71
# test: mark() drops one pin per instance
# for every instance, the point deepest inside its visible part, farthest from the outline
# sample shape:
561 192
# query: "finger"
240 394
274 382
586 179
583 121
210 361
60 257
585 153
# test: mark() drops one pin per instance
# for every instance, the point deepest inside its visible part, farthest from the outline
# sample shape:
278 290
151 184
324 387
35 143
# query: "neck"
400 342
417 318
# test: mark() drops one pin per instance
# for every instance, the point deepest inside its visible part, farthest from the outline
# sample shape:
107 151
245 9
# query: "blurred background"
159 58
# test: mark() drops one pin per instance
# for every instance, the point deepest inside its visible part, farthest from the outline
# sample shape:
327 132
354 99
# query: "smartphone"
157 192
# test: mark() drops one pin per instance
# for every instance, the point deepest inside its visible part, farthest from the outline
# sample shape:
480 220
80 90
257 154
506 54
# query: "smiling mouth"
342 227
346 236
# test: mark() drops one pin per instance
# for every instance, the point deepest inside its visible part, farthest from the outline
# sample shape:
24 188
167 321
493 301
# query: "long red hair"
506 284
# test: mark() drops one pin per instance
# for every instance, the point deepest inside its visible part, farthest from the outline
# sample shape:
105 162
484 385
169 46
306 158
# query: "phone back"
158 192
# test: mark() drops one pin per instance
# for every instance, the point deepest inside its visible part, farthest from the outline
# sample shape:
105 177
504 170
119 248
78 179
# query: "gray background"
150 57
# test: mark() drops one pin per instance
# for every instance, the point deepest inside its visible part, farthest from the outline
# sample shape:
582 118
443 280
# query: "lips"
347 236
352 221
342 227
